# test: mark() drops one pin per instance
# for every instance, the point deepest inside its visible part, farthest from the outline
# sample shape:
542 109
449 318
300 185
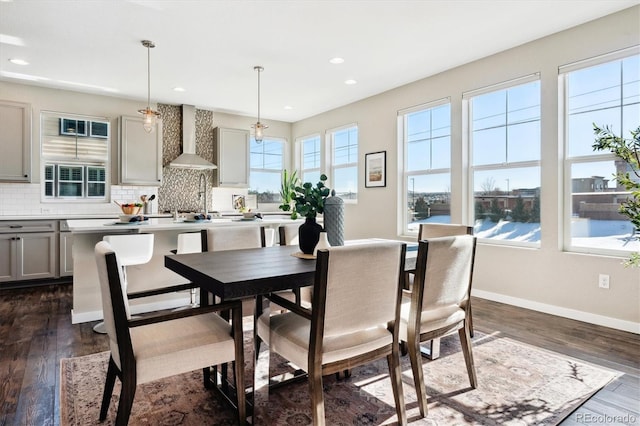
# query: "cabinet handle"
15 226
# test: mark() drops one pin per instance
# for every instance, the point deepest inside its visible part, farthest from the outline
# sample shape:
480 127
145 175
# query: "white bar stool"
131 249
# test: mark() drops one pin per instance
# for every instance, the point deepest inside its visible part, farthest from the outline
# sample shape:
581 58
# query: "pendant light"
149 116
259 127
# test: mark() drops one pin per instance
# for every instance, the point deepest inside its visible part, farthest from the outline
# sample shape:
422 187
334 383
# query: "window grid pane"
266 161
345 162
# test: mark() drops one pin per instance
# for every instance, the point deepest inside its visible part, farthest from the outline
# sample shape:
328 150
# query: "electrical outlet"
603 281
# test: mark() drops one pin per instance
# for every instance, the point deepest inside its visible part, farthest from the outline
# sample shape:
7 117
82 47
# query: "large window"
75 155
426 144
604 91
344 161
310 158
504 124
266 165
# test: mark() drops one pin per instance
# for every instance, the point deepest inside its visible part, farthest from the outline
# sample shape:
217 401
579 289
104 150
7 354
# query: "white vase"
323 243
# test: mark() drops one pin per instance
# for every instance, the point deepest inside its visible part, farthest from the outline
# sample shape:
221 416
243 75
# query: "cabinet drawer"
28 226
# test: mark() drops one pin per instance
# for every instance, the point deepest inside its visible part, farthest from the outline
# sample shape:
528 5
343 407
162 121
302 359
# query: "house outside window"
504 145
310 158
266 162
426 149
344 161
75 157
604 91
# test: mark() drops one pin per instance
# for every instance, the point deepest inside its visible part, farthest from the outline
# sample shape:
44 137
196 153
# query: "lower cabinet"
27 256
66 254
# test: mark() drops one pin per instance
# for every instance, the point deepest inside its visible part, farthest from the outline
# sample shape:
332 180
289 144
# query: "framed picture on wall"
375 169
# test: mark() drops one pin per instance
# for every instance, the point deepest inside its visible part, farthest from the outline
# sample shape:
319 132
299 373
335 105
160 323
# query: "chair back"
232 238
288 234
115 306
190 242
435 230
445 266
360 286
132 249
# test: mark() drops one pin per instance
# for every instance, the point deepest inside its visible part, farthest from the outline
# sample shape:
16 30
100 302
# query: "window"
426 144
344 162
75 157
266 163
504 125
602 91
310 154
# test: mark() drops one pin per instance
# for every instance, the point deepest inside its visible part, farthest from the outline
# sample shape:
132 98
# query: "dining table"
255 272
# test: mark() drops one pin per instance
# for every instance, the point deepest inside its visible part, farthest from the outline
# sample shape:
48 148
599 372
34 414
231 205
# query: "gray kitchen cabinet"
15 140
231 155
65 250
28 250
139 153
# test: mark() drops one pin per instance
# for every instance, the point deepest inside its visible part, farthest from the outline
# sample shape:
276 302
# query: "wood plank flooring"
36 332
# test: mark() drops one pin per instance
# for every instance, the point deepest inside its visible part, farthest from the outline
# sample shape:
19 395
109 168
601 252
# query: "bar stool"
190 242
131 249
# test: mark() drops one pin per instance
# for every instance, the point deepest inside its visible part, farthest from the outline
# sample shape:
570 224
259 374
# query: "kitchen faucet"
203 192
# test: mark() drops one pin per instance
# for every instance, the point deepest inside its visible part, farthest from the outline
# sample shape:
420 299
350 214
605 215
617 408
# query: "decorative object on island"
627 150
149 116
334 219
259 127
288 192
309 202
375 169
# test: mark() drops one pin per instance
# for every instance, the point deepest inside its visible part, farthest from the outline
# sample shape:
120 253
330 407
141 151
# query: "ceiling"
209 48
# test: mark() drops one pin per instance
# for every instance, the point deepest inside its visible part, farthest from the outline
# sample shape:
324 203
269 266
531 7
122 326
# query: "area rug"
518 384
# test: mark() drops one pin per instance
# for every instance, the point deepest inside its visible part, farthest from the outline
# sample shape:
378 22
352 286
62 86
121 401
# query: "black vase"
309 235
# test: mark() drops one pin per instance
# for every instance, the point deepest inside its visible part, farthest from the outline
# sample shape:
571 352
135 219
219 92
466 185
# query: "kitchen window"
266 163
426 149
604 91
75 157
310 158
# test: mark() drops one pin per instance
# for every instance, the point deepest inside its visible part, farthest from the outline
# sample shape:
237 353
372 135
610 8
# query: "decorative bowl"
131 208
126 217
249 215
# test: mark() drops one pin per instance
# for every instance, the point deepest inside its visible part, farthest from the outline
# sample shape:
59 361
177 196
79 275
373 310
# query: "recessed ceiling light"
178 89
288 107
17 61
336 60
350 82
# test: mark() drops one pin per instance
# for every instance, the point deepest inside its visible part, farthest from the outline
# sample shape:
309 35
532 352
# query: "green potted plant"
309 202
629 151
288 192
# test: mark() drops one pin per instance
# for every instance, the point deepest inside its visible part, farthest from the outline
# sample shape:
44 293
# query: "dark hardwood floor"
36 332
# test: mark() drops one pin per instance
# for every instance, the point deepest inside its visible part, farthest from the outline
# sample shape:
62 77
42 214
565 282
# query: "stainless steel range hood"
188 159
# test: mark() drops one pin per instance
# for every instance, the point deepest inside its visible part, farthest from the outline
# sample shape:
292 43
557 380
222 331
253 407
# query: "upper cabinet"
15 140
231 152
140 153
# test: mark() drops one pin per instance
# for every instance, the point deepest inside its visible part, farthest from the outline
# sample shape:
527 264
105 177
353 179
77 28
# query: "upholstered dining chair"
189 242
288 236
154 347
353 321
438 303
435 230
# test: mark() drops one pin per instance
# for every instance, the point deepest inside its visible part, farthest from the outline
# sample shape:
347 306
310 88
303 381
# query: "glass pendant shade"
259 127
149 116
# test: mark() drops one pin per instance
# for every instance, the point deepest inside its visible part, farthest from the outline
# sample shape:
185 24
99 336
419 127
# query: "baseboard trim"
618 324
80 317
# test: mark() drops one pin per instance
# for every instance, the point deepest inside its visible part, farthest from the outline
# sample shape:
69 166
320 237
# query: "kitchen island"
87 305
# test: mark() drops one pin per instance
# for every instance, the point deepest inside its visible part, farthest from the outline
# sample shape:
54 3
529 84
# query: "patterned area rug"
518 385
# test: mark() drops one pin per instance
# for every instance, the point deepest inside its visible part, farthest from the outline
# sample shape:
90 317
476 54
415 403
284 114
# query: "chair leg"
127 394
470 320
418 376
317 396
467 351
112 372
393 360
403 348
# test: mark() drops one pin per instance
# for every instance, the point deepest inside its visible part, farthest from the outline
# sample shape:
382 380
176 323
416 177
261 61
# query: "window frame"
591 157
403 185
300 146
330 159
284 149
467 98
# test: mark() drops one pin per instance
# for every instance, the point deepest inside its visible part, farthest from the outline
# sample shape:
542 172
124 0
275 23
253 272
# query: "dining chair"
190 242
288 236
438 303
159 346
353 321
132 249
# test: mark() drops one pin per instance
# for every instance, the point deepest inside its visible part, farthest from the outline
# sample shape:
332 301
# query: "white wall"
547 278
